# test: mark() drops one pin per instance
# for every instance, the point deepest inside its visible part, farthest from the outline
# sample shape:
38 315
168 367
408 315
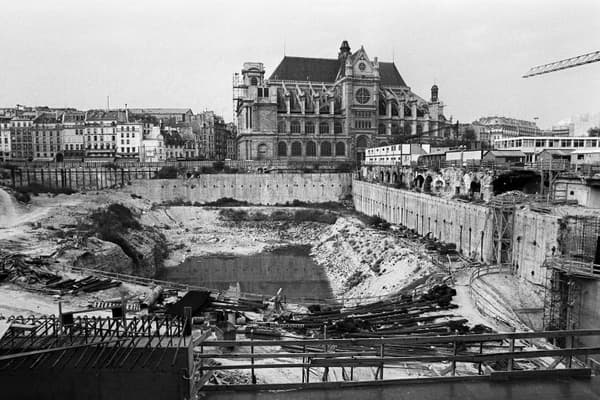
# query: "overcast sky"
176 53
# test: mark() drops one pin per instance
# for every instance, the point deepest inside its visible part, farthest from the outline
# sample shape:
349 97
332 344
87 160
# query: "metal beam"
563 64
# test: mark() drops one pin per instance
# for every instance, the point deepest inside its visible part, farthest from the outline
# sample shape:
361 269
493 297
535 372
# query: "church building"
328 109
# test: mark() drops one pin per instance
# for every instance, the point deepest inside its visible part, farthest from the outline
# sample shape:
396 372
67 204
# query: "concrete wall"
469 226
577 189
534 238
254 188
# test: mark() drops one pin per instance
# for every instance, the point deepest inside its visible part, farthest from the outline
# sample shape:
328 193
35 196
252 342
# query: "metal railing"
575 267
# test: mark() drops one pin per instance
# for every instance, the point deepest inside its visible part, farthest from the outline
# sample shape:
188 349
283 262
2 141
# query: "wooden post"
381 351
252 357
571 345
479 370
454 350
511 349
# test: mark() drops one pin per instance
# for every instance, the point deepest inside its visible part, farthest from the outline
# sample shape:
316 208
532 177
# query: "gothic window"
337 127
295 126
253 81
419 129
296 149
325 149
407 112
309 127
281 127
361 142
324 127
382 107
362 96
340 149
396 129
381 129
282 149
311 149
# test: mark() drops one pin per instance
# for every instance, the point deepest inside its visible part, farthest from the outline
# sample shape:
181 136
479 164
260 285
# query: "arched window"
419 129
309 127
296 149
337 127
262 151
396 129
325 149
361 142
282 149
394 110
253 81
323 127
311 149
295 126
381 129
281 127
340 149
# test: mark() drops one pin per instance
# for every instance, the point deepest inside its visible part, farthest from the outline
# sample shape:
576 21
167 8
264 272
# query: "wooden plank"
408 339
340 384
285 355
546 373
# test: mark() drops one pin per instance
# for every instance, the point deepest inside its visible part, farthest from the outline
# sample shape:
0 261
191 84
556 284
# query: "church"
328 109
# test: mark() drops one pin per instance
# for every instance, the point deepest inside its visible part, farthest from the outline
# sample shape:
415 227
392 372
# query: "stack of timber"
87 285
428 314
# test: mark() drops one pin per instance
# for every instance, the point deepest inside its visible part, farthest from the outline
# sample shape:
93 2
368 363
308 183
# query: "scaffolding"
579 240
503 212
562 300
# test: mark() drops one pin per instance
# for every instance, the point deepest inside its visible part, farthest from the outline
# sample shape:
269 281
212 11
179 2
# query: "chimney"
126 114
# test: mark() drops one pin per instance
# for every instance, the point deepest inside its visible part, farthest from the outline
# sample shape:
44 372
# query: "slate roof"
159 110
326 70
307 69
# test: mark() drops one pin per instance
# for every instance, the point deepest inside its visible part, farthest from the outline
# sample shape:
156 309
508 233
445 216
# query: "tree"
594 131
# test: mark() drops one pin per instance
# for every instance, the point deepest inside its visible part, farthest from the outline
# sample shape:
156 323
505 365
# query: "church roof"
390 75
326 70
307 69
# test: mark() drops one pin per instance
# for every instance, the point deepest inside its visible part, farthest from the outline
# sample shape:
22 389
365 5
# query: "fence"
83 178
378 353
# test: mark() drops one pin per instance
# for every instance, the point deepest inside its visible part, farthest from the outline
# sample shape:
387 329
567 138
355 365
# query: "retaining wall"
469 226
534 238
254 188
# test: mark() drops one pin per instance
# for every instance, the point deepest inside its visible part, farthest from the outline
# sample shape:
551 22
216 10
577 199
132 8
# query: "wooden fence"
378 353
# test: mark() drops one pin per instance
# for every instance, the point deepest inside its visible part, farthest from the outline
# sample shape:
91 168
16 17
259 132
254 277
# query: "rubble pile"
18 268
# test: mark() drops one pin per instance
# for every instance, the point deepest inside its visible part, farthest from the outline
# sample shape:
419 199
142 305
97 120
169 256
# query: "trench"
290 268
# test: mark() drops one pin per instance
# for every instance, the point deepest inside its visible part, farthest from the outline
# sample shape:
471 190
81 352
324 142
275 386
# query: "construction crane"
563 64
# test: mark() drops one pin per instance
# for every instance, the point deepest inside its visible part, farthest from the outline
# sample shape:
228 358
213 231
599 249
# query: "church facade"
317 109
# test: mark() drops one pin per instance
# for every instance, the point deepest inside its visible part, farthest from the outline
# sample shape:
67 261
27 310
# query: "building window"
340 149
253 81
295 126
381 129
296 149
281 127
311 149
309 127
362 96
337 127
282 149
361 142
323 127
325 149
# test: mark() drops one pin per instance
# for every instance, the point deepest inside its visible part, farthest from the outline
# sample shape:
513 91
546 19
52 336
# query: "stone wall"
254 188
445 182
469 226
534 238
